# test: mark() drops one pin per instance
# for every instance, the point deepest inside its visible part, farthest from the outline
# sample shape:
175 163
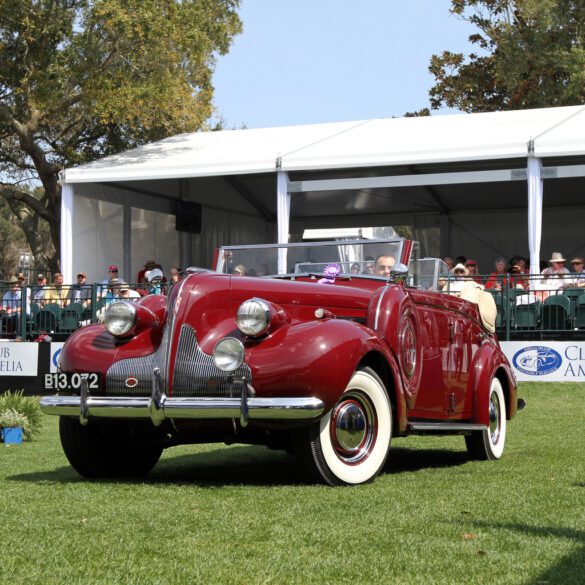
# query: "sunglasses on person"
459 271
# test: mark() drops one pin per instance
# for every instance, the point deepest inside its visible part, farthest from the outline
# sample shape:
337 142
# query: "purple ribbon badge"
330 273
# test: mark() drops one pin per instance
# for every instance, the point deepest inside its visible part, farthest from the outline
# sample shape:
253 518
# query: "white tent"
472 182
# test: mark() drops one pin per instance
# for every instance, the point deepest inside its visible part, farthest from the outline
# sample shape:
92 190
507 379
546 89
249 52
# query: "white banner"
19 359
542 361
56 347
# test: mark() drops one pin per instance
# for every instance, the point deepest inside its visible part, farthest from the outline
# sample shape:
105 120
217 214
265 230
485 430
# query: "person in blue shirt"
12 305
155 281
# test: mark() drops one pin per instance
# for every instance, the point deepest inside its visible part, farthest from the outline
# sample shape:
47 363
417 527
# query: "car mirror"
399 273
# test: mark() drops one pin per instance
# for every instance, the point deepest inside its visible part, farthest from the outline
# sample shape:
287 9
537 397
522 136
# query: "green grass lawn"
216 514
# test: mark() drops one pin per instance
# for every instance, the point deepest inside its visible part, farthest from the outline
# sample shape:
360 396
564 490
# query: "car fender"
316 359
93 349
393 315
489 362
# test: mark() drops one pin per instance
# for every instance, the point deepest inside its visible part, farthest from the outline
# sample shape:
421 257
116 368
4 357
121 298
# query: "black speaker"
188 218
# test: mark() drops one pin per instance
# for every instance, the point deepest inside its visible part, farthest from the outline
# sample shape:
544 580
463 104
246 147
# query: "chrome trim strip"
378 307
83 395
171 315
188 407
445 426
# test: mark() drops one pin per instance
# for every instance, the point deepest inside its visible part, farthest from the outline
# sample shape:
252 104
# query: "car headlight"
120 318
228 354
253 317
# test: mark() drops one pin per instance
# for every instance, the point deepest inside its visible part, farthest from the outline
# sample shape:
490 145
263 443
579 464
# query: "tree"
82 79
531 54
12 241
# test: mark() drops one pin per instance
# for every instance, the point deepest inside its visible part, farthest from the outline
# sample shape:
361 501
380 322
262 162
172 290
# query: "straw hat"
557 257
460 267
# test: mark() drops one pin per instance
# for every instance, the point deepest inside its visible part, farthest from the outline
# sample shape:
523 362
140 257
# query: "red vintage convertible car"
327 350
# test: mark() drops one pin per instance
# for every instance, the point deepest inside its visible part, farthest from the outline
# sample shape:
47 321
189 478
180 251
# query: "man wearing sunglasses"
578 276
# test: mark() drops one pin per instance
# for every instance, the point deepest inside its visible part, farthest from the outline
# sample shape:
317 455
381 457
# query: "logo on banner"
56 358
537 360
56 347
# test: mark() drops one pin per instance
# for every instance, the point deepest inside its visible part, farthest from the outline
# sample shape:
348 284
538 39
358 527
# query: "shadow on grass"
570 569
250 465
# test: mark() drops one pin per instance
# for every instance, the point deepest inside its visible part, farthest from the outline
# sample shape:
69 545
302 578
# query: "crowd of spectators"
515 273
40 294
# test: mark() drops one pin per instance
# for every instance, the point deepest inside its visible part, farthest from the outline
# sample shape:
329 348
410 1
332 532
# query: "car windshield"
347 258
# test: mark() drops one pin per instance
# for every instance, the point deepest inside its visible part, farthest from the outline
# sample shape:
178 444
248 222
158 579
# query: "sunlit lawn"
216 514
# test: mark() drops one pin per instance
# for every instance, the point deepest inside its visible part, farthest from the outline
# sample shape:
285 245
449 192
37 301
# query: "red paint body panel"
438 360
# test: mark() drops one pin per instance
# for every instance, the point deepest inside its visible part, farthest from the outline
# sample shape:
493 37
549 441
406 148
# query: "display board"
546 361
23 365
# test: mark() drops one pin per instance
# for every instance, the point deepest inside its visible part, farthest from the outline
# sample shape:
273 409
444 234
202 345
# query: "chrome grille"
139 368
195 372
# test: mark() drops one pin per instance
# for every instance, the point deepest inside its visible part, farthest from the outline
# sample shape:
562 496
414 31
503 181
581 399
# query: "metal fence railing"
32 312
528 307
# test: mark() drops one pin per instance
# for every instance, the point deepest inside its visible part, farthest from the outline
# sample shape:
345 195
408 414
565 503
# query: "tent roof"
366 143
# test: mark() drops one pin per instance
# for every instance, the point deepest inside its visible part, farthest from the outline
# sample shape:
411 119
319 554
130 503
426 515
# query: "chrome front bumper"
159 407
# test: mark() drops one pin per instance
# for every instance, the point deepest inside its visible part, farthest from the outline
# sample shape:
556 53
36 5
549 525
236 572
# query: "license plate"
71 381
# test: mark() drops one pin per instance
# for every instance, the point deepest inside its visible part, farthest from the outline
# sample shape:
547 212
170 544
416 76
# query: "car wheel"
489 443
350 444
95 451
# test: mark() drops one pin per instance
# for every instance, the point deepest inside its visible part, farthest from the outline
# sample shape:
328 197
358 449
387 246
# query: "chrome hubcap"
350 426
494 419
353 428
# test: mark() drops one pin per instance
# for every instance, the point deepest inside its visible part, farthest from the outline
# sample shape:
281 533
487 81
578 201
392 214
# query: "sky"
313 61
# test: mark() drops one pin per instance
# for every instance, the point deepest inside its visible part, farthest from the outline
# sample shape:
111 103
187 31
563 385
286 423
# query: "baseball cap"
82 274
113 268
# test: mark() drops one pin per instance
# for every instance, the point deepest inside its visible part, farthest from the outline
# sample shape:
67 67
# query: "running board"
443 427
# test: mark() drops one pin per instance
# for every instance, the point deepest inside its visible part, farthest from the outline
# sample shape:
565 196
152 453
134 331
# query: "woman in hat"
555 274
457 282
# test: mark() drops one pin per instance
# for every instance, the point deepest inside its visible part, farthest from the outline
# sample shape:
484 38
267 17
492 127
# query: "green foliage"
80 79
27 407
11 418
530 54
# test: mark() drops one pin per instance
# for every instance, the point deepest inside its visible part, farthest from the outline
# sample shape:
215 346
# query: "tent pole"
283 216
67 232
535 196
127 242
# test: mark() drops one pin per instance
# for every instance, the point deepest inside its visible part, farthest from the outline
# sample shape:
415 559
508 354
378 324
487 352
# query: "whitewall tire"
350 444
489 443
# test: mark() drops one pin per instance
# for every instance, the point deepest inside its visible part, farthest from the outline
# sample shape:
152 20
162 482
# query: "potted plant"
12 426
27 406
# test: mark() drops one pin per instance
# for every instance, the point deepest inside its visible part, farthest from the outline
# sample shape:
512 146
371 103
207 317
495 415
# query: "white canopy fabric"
393 141
481 180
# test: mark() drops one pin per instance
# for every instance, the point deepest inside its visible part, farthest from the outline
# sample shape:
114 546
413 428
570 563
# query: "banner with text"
541 361
19 359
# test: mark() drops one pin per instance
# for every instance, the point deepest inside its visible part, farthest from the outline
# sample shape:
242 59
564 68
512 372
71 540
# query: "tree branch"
11 194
